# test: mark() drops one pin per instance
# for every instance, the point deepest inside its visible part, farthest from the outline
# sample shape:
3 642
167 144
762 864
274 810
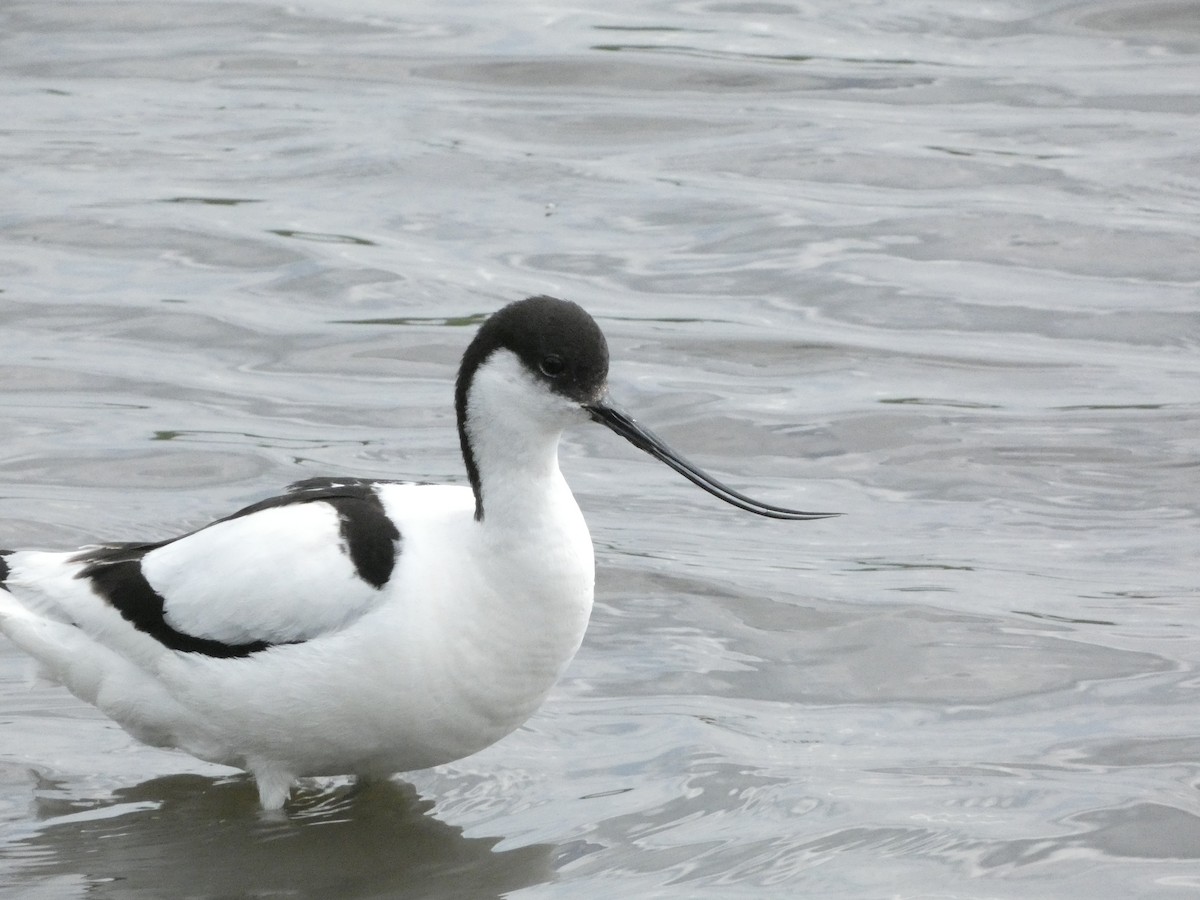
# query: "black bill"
644 439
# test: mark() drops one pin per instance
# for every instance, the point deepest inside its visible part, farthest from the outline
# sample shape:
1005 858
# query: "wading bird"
353 626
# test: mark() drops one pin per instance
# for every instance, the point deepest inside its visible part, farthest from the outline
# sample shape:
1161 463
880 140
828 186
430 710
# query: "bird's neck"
510 446
519 481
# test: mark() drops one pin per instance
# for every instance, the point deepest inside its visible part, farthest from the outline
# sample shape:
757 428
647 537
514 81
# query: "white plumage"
349 626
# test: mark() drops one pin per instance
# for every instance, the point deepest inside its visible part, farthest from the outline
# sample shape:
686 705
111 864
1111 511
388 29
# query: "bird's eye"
552 366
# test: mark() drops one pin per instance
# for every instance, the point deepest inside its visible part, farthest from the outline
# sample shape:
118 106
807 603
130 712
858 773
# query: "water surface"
930 264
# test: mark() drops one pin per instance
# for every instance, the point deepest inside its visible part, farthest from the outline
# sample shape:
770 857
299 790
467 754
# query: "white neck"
534 534
513 425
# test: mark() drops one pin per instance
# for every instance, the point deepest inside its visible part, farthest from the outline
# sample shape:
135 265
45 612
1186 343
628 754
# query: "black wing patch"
369 538
122 584
4 567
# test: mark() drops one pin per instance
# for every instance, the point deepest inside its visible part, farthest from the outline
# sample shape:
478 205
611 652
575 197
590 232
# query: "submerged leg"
274 785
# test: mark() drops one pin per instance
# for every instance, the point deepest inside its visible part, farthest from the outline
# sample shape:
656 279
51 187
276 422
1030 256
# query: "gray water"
929 263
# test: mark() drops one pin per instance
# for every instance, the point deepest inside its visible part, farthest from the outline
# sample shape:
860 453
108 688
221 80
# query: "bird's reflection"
192 836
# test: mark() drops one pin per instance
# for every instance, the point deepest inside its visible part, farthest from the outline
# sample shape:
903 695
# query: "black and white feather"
326 548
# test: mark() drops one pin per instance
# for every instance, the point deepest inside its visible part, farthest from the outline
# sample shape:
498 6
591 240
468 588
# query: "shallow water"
931 264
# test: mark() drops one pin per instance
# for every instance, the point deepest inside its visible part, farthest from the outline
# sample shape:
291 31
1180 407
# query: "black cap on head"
556 340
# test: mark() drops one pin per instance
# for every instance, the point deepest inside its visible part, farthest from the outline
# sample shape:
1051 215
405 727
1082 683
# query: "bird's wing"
280 571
